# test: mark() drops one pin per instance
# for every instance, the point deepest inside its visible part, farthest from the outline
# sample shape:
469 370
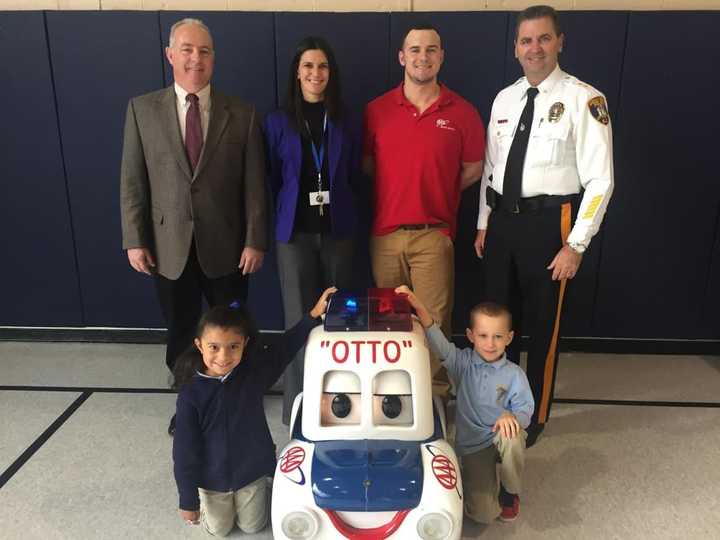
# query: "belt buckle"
516 210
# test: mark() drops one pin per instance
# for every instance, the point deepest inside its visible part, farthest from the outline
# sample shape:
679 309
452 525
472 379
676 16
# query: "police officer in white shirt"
549 139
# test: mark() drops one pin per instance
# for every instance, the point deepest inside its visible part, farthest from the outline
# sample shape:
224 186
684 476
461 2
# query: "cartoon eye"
341 405
391 406
339 409
392 399
392 410
340 401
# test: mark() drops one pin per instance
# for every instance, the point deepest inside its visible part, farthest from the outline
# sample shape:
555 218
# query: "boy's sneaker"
510 510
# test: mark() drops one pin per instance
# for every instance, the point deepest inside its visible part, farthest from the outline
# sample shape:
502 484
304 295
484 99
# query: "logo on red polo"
444 124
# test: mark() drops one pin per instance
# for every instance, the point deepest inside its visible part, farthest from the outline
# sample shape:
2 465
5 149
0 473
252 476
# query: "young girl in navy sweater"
222 448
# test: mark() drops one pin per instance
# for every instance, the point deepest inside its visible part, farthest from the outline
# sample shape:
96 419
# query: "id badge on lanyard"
319 198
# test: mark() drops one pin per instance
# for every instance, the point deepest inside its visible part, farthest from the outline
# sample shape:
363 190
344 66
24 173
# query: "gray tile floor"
598 472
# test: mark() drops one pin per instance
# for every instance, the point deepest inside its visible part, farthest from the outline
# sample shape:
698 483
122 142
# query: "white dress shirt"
183 106
570 148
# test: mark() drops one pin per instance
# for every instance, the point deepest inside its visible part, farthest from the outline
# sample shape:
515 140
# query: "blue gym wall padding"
100 60
38 272
662 225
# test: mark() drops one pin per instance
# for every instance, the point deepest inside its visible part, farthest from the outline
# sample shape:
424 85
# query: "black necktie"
193 131
512 182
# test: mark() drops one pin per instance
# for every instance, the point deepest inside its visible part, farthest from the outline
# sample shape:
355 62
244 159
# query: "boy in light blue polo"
494 406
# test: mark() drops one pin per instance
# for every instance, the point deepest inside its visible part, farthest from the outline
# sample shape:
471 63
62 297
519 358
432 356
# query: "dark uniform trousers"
518 249
181 301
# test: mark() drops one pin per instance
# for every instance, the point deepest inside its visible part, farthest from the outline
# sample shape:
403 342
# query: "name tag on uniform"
319 197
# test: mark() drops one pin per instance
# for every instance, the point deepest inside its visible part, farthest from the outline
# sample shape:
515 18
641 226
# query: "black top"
308 218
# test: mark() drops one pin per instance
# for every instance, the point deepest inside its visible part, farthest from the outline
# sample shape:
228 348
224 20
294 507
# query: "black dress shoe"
533 432
171 427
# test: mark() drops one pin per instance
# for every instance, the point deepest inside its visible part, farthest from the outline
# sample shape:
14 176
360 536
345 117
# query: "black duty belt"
528 204
422 226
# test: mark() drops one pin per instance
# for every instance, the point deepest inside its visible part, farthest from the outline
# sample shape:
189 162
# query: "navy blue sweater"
222 441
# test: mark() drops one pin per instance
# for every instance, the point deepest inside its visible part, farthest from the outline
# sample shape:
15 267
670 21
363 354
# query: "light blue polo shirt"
484 391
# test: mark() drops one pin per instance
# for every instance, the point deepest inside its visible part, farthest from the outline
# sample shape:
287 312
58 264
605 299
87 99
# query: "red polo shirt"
418 157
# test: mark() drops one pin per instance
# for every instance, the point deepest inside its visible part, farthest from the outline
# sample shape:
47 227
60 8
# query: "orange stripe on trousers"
565 222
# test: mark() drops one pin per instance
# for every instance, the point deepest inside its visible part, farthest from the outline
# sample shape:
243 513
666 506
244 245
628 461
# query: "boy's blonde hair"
491 309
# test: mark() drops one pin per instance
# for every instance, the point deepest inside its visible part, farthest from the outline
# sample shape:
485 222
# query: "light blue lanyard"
318 156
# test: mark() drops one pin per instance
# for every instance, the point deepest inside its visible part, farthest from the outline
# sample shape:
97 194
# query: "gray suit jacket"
164 205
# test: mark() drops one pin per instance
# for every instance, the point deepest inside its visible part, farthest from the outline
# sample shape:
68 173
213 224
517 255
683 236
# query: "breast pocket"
551 142
504 136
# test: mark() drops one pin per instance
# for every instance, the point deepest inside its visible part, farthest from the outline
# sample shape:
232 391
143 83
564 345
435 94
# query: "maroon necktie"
193 131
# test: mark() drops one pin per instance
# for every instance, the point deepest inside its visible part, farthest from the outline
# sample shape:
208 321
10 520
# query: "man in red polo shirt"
424 144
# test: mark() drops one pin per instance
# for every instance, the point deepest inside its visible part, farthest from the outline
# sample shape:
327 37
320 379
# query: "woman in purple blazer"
313 148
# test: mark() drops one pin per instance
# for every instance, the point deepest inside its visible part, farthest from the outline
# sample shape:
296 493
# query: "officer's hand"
251 260
480 243
191 517
565 264
141 260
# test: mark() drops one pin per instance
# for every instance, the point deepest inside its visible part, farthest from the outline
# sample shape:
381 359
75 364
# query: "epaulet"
574 81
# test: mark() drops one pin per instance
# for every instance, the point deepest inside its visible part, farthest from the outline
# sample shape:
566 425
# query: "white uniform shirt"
570 147
183 105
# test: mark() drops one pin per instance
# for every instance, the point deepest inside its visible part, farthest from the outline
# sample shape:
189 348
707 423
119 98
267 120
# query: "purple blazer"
284 153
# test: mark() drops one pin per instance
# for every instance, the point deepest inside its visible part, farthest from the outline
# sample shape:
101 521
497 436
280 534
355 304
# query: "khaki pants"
480 476
248 507
424 260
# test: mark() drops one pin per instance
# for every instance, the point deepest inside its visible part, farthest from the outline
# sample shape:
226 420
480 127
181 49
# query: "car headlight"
434 527
300 525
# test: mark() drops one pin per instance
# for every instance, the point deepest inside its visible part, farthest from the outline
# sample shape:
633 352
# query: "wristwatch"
577 247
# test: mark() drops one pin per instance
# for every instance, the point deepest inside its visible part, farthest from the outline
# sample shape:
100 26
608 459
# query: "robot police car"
367 459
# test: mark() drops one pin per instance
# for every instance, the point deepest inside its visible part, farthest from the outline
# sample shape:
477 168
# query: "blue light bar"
375 310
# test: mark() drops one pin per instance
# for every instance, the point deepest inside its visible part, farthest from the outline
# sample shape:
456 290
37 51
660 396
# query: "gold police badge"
556 111
598 109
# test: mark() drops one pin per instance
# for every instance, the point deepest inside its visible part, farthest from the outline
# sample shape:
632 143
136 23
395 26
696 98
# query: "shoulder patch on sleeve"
598 109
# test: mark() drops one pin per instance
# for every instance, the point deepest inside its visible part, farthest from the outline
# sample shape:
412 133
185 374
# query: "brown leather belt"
422 226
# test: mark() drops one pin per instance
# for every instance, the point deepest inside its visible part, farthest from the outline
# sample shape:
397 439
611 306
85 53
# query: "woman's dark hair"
294 97
234 317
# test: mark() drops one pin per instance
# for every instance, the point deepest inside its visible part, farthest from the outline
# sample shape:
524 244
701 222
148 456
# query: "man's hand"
480 243
251 260
191 517
141 260
507 425
565 264
322 302
423 314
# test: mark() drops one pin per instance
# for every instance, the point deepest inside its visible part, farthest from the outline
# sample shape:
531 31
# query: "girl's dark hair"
234 317
294 97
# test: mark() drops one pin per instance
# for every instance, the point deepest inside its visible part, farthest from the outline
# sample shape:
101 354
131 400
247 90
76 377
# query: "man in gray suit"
192 188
